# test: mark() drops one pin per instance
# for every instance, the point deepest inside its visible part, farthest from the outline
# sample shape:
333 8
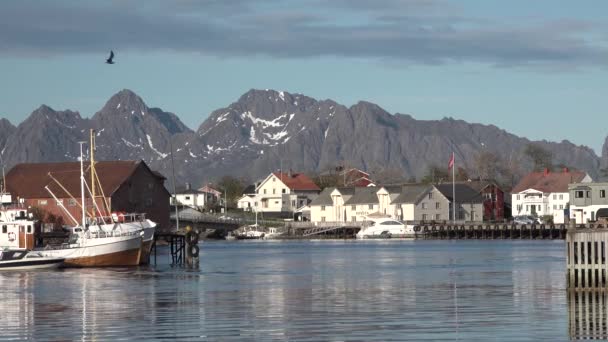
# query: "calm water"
315 290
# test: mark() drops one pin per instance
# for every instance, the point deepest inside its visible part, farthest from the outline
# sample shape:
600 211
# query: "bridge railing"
326 224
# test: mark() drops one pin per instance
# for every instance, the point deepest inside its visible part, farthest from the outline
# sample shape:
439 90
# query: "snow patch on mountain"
162 155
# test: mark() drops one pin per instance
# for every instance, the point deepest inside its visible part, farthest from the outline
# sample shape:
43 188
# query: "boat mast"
92 148
82 185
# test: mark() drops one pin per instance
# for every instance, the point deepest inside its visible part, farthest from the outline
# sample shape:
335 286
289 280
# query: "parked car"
526 219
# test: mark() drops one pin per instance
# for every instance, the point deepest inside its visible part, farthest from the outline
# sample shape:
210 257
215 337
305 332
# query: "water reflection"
588 315
330 290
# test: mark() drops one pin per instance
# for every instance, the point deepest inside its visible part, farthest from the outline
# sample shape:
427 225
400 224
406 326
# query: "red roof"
296 181
549 181
28 180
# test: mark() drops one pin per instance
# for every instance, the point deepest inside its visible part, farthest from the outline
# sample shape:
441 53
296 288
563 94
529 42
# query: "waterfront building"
281 194
409 202
197 198
546 193
126 186
588 201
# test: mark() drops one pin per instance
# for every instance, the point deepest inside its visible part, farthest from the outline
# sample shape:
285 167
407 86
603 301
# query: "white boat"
252 232
27 260
16 229
96 247
385 228
99 240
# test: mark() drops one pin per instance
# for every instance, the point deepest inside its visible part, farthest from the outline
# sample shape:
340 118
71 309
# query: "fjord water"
304 290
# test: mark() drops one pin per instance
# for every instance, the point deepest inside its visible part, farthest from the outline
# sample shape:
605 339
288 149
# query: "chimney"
546 172
566 170
188 186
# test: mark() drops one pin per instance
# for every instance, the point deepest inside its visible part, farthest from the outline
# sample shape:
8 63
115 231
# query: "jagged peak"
126 100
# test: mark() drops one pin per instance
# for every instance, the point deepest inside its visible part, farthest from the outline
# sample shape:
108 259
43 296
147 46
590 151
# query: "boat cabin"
17 235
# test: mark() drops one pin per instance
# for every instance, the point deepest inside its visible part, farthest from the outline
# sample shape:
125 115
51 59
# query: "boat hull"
101 252
23 265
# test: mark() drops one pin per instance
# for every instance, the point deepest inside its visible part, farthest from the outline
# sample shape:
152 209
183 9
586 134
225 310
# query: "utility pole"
174 187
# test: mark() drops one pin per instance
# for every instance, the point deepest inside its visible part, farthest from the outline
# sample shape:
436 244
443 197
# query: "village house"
197 198
281 194
546 193
410 202
247 201
126 186
588 201
493 199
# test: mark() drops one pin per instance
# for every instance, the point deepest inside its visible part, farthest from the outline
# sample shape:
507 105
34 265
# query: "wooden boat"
27 260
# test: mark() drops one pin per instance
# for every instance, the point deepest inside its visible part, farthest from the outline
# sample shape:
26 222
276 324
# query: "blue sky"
535 68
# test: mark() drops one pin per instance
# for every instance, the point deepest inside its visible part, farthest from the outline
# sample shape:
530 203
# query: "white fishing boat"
27 260
385 228
98 240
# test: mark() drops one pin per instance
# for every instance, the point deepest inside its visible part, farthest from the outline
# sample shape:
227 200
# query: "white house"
196 198
588 201
545 193
281 193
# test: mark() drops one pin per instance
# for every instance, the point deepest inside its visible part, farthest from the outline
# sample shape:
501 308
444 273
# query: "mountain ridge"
265 130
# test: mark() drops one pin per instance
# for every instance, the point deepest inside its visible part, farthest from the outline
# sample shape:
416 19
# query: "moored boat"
385 228
27 260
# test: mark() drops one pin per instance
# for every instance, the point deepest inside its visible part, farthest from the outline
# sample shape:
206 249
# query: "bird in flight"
110 59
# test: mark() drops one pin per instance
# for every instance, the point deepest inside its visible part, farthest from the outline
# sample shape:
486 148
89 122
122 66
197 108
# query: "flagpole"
453 189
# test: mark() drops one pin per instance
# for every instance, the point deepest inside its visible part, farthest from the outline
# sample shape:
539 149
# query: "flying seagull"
110 59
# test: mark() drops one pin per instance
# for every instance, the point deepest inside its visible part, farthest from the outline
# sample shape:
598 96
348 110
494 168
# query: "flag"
451 162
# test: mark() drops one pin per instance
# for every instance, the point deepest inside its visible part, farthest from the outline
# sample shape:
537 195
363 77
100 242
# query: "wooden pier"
586 258
491 231
177 245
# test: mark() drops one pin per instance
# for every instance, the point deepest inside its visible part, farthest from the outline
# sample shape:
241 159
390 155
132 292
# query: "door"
21 236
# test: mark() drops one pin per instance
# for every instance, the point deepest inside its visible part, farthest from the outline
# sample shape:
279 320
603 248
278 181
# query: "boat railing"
100 234
117 218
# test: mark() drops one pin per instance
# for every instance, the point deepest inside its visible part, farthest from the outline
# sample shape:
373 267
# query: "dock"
587 266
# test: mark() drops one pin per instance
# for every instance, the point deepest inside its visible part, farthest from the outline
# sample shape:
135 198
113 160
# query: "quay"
586 258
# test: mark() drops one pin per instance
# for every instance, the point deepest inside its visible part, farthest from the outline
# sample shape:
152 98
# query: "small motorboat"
27 260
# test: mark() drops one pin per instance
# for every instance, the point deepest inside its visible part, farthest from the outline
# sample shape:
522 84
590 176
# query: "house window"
371 206
148 203
527 208
187 198
578 194
588 194
322 218
353 207
4 229
264 191
554 196
438 217
42 202
276 202
538 207
354 218
602 193
561 206
283 190
255 204
29 229
274 191
423 217
430 195
322 208
293 203
555 206
518 197
472 216
301 203
71 202
437 205
561 197
423 205
59 202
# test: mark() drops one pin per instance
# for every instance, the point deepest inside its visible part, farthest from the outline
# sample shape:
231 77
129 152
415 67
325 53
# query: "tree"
540 157
435 174
232 188
487 165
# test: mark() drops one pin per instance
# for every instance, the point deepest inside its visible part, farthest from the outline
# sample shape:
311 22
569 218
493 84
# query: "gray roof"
411 193
464 193
324 197
366 195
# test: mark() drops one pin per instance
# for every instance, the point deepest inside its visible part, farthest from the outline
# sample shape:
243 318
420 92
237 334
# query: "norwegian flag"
451 162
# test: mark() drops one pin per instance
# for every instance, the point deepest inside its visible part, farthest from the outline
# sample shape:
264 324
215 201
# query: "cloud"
413 32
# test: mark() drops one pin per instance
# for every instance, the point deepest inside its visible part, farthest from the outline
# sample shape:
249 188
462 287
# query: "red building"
493 199
126 186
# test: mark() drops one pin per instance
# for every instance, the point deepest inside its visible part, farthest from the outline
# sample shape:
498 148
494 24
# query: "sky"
537 69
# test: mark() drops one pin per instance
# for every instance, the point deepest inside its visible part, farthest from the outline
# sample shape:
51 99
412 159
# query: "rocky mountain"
6 129
265 130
